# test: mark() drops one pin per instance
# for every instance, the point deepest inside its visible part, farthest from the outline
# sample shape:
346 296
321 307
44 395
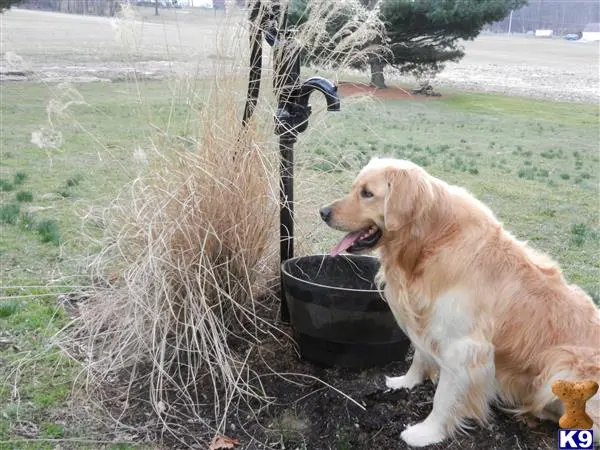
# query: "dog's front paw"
423 434
403 382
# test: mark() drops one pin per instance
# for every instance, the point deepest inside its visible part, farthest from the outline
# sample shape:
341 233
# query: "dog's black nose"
325 213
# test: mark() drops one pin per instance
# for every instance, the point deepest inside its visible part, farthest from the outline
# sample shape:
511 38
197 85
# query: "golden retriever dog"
493 318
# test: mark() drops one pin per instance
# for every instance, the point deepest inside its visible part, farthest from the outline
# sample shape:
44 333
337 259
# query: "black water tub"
337 314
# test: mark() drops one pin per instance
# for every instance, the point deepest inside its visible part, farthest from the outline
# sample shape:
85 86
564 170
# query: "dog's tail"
567 363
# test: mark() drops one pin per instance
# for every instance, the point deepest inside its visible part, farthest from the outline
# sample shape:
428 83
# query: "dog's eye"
366 194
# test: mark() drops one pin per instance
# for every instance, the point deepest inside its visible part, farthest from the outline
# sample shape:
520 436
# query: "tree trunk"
156 7
377 78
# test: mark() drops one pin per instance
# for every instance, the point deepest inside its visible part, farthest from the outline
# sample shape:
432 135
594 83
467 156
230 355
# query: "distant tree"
6 4
420 35
425 34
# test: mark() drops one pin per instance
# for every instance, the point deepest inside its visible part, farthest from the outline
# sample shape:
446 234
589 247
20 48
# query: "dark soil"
334 272
308 414
313 416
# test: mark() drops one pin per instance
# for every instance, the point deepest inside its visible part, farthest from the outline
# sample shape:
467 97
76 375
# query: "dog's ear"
409 195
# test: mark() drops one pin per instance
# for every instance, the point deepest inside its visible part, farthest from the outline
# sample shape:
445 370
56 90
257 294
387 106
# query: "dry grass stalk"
190 248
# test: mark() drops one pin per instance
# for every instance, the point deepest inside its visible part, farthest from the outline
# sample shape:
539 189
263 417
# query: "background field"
535 162
59 46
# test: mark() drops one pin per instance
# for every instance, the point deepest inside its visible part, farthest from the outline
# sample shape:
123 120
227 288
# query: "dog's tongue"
346 243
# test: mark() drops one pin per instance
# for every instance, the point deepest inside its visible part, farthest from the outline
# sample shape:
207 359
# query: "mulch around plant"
351 89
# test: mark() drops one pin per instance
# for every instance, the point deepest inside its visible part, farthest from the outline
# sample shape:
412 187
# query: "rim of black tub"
327 286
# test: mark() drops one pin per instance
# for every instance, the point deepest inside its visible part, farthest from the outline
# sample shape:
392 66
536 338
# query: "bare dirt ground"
544 68
48 47
553 69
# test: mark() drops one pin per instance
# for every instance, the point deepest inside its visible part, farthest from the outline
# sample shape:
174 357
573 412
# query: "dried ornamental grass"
190 250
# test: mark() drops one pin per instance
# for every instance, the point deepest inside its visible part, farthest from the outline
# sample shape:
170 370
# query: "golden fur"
448 263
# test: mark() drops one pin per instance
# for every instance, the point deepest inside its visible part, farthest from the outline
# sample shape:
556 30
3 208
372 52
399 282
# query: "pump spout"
326 87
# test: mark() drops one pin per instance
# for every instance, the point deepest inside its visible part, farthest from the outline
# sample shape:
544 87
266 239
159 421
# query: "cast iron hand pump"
293 109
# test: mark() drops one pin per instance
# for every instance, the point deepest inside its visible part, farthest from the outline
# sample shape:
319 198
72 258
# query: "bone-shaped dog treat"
574 395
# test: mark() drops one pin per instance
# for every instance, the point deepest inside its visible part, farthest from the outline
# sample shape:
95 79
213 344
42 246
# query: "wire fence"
560 16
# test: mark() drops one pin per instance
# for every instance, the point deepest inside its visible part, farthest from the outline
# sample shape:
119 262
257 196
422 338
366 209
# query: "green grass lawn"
535 163
41 214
